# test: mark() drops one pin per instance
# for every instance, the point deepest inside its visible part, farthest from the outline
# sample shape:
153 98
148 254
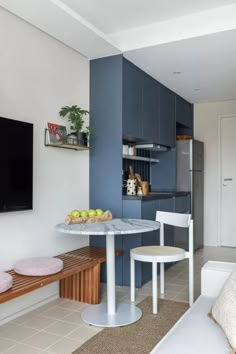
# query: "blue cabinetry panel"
163 174
100 241
184 112
132 100
167 125
150 110
106 125
182 204
148 238
106 139
168 205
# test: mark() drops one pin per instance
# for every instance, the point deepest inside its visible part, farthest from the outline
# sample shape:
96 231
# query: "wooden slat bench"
79 279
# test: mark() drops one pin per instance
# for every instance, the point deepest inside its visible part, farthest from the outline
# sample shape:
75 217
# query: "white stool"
164 254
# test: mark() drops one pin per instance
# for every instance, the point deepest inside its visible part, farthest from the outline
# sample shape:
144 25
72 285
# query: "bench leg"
83 286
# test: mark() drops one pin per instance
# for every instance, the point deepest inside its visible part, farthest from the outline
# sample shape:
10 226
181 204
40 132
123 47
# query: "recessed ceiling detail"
187 45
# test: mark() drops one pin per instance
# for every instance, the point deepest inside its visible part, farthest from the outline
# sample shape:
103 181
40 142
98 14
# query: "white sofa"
195 332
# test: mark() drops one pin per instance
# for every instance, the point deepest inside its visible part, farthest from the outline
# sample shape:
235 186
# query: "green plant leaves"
75 115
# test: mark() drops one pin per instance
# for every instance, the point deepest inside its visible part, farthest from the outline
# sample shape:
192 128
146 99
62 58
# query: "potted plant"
76 116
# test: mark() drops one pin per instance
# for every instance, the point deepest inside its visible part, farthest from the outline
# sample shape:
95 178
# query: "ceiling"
115 16
195 38
205 67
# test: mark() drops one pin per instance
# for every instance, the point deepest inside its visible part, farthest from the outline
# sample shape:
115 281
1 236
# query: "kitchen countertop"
155 195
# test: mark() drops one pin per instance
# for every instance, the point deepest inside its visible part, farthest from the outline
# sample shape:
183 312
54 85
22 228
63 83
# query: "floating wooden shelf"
69 146
140 158
75 147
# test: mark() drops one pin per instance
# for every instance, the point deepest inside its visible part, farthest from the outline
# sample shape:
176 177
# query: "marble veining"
112 227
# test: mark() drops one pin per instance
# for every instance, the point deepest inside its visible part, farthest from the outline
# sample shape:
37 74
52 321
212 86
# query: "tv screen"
16 165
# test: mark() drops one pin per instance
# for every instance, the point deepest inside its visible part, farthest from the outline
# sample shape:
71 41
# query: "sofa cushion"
38 266
195 333
6 281
224 309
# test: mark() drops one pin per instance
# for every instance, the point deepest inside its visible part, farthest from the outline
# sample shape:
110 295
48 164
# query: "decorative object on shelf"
139 192
145 187
71 139
64 145
125 149
106 216
56 133
131 172
139 179
76 116
132 150
131 186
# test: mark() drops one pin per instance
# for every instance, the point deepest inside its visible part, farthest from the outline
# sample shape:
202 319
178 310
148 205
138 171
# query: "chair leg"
162 278
132 279
154 288
191 282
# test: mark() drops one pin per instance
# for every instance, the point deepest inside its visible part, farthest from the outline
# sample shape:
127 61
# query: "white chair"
164 254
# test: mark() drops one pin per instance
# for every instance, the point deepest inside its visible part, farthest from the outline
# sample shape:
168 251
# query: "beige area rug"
141 336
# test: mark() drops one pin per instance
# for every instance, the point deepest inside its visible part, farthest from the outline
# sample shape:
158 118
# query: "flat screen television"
16 165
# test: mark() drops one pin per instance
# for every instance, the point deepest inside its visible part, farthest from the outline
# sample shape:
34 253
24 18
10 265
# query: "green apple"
84 213
92 212
75 213
99 212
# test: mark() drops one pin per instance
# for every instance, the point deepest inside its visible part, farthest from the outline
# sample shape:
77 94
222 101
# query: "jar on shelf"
72 139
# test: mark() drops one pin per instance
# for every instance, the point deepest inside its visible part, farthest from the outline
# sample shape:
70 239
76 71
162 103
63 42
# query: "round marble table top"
112 227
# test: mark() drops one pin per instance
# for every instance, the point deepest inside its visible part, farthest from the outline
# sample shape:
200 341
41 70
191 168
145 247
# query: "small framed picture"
56 133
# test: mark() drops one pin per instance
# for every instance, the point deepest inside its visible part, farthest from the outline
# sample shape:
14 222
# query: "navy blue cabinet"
126 102
149 209
168 205
167 125
105 179
182 204
144 210
184 112
150 110
132 100
141 210
140 104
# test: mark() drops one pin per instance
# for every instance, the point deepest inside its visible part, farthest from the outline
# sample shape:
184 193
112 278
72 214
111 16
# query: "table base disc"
97 315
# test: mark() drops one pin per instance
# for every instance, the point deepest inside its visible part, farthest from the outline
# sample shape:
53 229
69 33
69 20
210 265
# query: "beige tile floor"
57 328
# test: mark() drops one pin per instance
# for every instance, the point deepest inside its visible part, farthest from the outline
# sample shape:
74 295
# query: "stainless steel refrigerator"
190 168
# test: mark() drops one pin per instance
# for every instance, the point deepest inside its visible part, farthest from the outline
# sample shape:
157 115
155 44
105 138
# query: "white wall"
206 117
38 75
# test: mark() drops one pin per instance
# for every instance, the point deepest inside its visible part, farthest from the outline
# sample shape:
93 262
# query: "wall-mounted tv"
16 165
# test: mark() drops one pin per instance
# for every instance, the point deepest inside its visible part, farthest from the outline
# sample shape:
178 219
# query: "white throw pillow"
224 309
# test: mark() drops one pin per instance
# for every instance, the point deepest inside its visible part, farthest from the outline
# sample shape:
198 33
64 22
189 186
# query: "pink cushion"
38 266
6 281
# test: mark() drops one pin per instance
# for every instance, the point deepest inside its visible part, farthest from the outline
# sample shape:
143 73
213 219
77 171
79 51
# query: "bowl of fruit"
87 216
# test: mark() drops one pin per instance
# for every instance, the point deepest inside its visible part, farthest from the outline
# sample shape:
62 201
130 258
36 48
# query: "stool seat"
164 254
6 281
158 254
38 266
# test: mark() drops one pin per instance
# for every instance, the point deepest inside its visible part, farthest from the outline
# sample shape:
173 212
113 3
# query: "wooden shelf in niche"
140 158
75 147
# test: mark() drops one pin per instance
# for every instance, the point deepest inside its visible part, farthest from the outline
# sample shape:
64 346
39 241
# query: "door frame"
220 117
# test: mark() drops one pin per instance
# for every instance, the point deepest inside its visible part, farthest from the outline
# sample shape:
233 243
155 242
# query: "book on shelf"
57 134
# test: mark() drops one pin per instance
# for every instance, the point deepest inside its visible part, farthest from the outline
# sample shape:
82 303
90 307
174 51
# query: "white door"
228 181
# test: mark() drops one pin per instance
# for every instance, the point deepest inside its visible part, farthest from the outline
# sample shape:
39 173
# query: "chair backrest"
174 219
